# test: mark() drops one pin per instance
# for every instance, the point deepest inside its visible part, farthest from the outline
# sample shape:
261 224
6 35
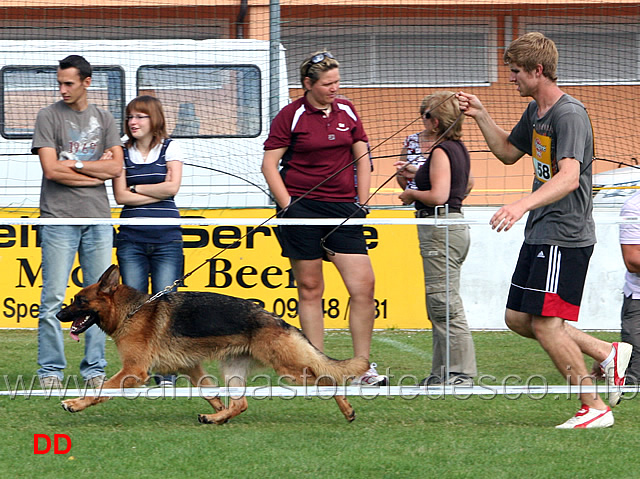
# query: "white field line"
403 347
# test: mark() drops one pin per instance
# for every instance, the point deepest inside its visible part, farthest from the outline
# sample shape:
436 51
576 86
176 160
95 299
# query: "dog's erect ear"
109 279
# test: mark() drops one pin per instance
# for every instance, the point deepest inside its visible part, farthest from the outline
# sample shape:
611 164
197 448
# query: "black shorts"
549 280
305 242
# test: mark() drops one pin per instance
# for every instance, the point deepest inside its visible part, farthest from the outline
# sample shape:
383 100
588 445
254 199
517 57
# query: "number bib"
543 163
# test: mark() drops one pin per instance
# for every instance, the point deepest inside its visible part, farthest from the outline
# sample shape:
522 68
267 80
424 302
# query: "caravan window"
26 90
206 100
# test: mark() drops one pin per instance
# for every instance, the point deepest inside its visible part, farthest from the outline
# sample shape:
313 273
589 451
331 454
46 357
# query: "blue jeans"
59 244
140 262
160 262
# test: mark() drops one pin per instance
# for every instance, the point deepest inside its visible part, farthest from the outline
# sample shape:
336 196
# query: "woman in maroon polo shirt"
309 151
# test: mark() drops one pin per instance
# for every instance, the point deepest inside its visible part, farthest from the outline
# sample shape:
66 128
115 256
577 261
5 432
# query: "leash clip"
166 290
326 249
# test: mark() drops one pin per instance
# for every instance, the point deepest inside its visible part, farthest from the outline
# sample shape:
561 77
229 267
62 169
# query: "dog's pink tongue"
74 336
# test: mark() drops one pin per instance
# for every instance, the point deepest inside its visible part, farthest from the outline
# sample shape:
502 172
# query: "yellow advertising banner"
250 267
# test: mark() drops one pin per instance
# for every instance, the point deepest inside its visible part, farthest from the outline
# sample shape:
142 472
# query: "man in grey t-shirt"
79 149
546 287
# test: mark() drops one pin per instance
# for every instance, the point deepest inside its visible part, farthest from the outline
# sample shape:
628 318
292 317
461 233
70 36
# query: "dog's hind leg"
308 377
122 379
235 372
200 378
346 408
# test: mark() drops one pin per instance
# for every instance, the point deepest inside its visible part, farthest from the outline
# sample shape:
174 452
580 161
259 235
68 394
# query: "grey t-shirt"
77 135
563 132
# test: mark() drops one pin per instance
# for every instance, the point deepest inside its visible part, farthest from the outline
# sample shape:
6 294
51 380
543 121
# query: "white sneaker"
370 378
587 418
614 372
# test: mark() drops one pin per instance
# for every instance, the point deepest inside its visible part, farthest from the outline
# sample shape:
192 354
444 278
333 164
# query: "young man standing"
547 285
79 149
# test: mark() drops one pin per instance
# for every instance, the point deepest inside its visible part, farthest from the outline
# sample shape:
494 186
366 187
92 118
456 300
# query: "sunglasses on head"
317 59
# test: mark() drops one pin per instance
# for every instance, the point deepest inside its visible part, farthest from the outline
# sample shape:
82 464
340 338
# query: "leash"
234 175
362 207
331 253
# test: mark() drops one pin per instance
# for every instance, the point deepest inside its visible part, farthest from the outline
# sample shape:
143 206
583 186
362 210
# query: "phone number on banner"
332 307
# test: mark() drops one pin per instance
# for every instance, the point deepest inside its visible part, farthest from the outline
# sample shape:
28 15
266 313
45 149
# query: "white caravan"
215 94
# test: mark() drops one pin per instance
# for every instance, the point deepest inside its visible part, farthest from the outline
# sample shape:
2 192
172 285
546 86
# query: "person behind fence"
443 179
547 285
153 173
316 139
411 155
79 149
630 313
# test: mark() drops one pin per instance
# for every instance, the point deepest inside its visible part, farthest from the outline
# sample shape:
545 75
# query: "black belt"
426 213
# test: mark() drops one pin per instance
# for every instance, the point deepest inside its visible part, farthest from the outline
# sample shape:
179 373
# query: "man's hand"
470 105
596 370
507 216
107 155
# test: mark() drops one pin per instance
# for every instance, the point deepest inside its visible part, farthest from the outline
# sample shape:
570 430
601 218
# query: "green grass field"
391 437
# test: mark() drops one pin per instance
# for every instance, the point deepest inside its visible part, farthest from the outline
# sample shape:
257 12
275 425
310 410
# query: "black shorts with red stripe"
549 280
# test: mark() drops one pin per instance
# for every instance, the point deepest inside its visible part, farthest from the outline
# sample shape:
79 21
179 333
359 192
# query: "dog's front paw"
72 405
211 419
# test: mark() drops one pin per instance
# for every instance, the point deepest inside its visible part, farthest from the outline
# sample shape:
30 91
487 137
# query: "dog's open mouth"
80 325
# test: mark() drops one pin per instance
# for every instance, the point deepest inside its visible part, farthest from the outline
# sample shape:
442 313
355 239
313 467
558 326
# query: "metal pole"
447 289
274 58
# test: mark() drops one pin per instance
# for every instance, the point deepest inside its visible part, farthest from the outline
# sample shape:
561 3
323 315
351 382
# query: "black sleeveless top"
460 168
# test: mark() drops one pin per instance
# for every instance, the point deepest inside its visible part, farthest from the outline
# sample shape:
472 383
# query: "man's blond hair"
533 49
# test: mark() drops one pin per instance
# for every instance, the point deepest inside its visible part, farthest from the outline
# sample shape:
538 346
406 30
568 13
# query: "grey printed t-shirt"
77 135
563 132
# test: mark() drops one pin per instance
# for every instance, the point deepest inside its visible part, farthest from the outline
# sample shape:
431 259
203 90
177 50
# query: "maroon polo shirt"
317 147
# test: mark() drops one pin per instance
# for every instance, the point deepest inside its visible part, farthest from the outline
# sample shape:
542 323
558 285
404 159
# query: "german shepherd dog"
178 331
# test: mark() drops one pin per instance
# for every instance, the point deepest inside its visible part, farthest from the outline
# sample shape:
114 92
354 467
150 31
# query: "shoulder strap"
163 151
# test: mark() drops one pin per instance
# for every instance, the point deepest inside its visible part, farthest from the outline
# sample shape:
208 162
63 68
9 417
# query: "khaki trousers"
462 357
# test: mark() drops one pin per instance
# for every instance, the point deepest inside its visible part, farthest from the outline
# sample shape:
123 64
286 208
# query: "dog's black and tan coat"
178 331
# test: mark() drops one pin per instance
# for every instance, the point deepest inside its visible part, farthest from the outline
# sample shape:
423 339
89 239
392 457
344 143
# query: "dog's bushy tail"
326 371
292 355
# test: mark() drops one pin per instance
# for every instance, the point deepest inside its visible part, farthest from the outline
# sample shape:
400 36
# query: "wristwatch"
79 165
132 189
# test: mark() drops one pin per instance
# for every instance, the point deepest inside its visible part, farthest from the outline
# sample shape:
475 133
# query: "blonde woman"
443 179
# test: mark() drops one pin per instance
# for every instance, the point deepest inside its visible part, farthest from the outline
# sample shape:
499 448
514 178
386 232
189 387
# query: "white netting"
223 71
